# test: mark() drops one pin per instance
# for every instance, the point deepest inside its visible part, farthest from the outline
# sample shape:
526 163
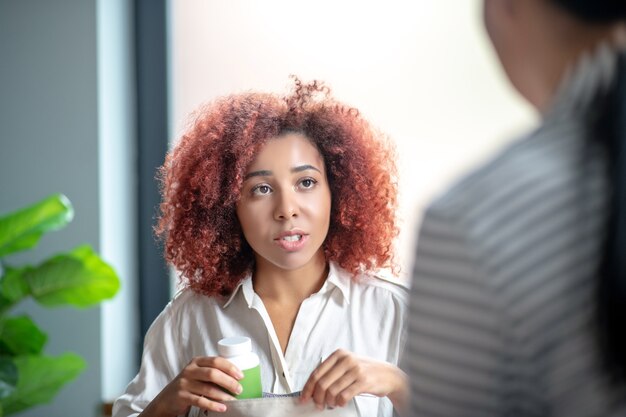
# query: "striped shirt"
501 317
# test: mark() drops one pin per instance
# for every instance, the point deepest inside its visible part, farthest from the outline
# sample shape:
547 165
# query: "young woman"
276 211
518 303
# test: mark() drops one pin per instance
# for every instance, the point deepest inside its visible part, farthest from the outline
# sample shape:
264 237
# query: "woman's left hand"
344 375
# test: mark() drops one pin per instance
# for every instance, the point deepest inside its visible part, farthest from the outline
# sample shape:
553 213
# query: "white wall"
420 70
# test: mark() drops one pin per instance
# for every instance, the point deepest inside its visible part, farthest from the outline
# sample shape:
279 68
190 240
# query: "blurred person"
518 298
277 212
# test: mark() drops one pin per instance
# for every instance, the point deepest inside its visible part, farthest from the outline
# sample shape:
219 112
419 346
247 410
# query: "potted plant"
78 278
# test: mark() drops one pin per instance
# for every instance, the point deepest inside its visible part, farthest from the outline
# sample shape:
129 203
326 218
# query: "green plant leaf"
21 336
79 278
23 228
13 287
39 379
8 377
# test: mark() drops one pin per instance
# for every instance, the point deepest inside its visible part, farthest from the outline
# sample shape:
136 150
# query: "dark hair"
202 178
595 11
611 127
610 131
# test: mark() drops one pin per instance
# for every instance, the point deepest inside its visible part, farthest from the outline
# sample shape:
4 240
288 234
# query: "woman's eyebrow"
268 173
304 168
261 173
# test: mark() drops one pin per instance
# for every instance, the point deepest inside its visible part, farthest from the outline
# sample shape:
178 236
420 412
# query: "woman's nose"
286 206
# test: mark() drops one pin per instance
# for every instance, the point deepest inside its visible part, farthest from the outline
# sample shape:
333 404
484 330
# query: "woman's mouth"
292 242
292 238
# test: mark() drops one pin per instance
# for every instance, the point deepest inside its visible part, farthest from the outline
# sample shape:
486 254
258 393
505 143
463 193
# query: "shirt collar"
340 279
243 284
337 278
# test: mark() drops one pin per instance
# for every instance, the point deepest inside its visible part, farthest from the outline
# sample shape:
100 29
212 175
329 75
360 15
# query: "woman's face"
284 209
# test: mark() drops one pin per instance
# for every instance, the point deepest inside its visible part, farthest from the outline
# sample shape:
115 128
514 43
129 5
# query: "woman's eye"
308 183
261 190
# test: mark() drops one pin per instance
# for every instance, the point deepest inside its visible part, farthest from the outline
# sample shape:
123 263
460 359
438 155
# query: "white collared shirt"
364 316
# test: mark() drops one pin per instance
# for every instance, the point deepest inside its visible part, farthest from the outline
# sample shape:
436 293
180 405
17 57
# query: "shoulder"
186 299
383 284
533 166
369 287
185 308
380 302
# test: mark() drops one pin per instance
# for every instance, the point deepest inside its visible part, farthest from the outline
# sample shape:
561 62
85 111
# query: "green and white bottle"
238 350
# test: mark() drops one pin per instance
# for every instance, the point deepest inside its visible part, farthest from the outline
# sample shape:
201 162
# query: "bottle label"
251 383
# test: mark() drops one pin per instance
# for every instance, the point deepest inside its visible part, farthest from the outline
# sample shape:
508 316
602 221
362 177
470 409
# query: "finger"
343 367
210 405
325 394
217 377
202 403
215 393
339 387
222 364
318 373
332 360
348 394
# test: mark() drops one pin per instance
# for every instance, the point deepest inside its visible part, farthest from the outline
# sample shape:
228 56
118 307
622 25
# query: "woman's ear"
507 11
499 16
509 24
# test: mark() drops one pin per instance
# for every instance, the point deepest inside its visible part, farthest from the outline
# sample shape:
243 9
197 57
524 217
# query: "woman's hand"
345 375
201 383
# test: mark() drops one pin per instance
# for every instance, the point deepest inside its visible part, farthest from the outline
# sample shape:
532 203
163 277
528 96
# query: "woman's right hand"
201 383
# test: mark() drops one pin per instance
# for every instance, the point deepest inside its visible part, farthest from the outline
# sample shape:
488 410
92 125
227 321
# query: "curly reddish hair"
201 182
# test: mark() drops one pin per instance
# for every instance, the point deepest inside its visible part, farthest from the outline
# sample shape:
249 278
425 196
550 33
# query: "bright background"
421 71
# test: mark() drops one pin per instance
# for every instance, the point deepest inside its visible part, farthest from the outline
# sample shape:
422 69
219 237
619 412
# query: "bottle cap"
234 346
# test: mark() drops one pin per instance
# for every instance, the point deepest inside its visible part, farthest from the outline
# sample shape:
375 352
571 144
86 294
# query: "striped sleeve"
455 347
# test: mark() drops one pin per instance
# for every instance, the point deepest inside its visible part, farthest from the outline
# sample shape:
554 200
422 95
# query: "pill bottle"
238 350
